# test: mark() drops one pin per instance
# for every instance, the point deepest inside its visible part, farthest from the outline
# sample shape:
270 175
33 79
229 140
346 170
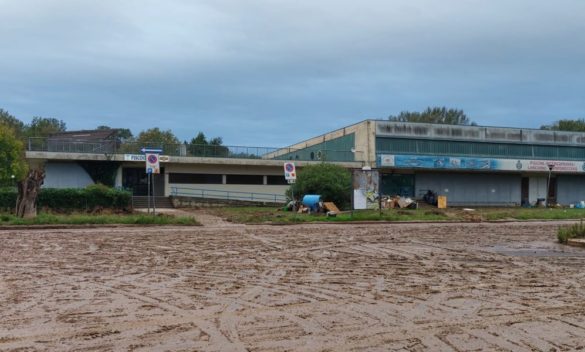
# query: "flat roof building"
471 165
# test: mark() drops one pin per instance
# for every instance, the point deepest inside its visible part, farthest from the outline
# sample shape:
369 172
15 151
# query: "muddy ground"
407 287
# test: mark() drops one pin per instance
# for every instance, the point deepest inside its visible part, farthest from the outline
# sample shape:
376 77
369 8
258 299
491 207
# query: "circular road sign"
289 167
152 159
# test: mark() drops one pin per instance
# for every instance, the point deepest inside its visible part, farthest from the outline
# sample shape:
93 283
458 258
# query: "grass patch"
87 219
533 214
271 215
574 231
425 213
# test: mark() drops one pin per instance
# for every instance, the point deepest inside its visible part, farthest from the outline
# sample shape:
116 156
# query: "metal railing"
187 150
227 195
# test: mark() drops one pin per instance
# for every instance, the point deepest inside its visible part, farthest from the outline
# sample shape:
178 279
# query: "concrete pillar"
167 185
118 180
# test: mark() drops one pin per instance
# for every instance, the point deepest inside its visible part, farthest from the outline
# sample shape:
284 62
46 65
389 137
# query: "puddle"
552 250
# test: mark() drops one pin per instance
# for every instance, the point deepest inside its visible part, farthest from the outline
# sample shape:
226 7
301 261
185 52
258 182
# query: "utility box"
442 202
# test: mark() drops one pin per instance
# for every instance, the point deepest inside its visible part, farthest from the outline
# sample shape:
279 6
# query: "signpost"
146 150
290 174
152 167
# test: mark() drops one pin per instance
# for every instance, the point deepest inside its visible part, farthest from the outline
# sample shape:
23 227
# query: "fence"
186 150
227 195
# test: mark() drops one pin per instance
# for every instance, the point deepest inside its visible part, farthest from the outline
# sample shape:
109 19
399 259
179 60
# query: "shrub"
92 197
331 181
574 231
8 198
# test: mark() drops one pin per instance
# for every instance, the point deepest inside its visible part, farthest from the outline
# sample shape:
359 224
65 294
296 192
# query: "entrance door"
135 179
552 191
397 184
525 191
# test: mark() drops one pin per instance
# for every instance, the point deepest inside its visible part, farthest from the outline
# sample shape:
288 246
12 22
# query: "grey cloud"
273 72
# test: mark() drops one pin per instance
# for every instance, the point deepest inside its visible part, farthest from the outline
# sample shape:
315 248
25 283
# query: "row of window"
504 150
217 179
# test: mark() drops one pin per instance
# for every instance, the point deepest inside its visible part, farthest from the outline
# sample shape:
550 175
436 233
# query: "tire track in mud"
312 288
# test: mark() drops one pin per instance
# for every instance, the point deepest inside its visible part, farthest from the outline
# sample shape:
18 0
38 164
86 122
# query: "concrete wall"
471 189
227 170
478 133
570 189
66 175
365 138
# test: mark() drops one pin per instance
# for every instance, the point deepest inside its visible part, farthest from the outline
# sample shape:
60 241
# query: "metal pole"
548 187
153 198
351 190
148 191
379 194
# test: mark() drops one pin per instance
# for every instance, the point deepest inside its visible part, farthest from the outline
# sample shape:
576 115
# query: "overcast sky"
270 73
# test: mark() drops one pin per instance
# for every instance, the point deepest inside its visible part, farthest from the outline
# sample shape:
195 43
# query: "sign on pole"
146 150
152 164
290 172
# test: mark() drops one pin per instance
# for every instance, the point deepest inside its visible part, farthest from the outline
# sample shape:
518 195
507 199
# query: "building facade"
471 165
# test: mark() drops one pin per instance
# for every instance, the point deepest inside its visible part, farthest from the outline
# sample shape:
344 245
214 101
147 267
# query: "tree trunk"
28 190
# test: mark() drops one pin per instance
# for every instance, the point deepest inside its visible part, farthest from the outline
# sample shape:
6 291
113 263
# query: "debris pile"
398 202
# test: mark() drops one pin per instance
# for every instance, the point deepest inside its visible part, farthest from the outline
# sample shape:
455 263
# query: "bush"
331 181
573 231
92 197
8 198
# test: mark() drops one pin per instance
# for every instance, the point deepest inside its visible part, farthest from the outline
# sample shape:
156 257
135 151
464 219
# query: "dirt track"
260 288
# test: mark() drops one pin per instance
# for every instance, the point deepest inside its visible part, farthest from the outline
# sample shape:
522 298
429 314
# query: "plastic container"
311 201
442 202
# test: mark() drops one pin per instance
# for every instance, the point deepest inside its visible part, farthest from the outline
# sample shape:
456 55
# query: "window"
196 178
276 180
245 179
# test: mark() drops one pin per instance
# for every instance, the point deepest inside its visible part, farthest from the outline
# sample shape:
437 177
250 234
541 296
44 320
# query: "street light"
354 151
550 168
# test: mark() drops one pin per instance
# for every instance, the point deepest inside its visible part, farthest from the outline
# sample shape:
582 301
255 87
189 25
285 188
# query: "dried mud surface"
406 287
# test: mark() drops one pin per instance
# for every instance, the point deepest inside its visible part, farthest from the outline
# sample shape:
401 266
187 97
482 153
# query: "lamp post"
354 152
550 168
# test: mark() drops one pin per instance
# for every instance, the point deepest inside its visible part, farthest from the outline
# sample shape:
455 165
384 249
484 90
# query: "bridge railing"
187 150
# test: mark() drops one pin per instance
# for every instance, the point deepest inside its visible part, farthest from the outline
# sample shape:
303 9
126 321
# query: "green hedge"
7 198
94 196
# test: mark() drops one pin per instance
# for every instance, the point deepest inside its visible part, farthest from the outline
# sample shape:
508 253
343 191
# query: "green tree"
13 166
28 179
44 127
200 146
577 125
332 182
123 134
12 122
156 138
199 139
440 115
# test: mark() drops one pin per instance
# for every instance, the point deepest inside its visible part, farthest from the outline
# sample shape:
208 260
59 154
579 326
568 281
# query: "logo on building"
519 165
